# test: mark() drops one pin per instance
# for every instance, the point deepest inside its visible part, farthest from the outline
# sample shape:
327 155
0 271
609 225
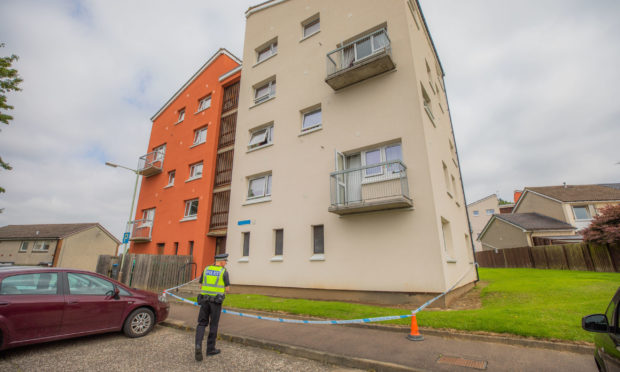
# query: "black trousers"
209 315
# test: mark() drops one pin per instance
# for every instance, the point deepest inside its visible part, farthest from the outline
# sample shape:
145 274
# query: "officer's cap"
221 257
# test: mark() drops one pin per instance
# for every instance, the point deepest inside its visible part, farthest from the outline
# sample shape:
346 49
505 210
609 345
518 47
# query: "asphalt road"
164 349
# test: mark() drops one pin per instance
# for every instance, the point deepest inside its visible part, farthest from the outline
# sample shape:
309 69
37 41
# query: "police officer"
215 284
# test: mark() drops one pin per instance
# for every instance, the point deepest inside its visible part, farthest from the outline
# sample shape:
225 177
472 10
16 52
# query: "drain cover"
462 362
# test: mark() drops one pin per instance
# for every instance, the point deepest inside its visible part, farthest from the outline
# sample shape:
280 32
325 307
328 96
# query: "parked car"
607 340
40 304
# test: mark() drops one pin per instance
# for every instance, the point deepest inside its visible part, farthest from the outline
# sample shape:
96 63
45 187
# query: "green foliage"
605 227
545 304
503 202
9 81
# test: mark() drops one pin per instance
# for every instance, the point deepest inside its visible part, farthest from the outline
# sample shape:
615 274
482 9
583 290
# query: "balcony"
359 60
374 187
141 230
151 163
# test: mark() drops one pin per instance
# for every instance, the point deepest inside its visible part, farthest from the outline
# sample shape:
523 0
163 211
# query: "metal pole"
133 200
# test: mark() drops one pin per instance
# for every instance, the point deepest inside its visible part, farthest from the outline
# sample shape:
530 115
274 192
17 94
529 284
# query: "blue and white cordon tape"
350 321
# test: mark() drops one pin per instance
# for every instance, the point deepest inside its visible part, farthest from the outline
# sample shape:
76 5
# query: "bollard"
415 333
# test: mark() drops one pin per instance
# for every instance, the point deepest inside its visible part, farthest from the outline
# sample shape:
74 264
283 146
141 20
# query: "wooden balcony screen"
223 168
219 211
228 126
231 97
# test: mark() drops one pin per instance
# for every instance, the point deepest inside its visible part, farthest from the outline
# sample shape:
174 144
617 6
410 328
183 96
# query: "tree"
605 227
9 81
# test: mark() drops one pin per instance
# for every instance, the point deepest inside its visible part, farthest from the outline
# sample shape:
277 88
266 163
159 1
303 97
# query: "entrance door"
220 245
354 179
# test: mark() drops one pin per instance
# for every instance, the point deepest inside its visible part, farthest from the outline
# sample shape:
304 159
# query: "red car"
40 304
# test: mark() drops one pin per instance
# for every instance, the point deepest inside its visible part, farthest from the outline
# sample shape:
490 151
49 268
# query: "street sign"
126 238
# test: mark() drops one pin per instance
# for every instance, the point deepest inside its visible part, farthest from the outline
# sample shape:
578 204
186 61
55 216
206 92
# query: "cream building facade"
346 182
480 212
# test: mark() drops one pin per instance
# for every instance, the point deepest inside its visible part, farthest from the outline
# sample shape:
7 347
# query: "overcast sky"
533 88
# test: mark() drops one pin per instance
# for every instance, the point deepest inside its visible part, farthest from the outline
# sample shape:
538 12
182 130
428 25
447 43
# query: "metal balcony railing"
151 163
373 187
360 59
141 230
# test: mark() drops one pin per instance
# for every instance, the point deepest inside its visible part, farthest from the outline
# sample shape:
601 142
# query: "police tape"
349 321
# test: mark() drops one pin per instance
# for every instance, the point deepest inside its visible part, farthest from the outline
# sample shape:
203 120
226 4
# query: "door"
341 189
89 304
32 305
354 179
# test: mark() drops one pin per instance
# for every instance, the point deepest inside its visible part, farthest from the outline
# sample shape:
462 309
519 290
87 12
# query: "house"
480 212
346 181
183 203
72 245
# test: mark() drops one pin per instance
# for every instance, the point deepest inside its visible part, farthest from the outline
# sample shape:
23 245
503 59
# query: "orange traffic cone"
415 333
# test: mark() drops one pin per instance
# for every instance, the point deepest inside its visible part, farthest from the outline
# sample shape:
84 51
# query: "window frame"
181 116
270 85
192 171
4 281
491 210
306 114
201 101
476 213
43 243
308 23
171 177
266 187
320 251
587 210
271 47
245 244
382 159
268 130
23 249
188 209
278 248
198 135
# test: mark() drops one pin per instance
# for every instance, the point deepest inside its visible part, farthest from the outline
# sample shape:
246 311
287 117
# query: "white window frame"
204 103
160 152
489 212
266 192
260 138
188 209
41 246
306 26
267 52
198 137
171 176
271 91
427 104
148 216
23 247
194 169
382 158
587 209
373 50
181 115
307 114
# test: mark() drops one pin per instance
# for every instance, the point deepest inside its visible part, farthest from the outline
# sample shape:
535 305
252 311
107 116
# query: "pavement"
386 348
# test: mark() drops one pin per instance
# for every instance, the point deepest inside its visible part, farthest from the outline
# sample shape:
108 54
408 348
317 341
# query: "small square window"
200 136
264 92
204 103
171 175
181 115
261 137
311 120
312 27
23 247
259 187
191 208
266 52
195 171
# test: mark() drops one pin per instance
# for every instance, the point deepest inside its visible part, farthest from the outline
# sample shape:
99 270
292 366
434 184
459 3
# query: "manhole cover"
462 362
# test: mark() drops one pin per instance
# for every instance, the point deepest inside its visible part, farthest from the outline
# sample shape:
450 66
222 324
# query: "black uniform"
209 314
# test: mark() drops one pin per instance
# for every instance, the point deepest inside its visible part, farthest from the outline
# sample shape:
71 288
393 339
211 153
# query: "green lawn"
528 302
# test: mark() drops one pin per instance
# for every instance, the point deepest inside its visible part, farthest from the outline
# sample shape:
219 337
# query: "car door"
31 305
90 305
610 345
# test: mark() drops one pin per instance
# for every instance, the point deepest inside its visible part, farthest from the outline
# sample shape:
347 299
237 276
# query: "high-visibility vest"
213 281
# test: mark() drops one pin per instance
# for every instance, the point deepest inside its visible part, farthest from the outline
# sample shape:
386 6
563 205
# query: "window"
160 248
266 52
390 153
261 137
41 246
311 26
171 175
311 120
23 247
159 152
148 215
364 48
181 115
191 208
246 244
581 212
490 211
279 241
30 284
427 104
176 248
446 178
447 238
259 187
84 284
476 213
373 157
191 247
454 187
204 103
318 241
265 91
195 171
200 136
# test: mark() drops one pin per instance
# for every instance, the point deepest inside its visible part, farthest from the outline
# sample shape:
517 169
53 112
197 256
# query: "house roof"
577 193
485 198
46 231
534 221
221 51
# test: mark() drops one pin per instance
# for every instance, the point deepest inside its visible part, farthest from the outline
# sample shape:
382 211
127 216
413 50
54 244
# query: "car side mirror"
113 293
595 323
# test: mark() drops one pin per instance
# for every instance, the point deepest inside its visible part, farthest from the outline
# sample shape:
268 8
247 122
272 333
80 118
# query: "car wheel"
139 323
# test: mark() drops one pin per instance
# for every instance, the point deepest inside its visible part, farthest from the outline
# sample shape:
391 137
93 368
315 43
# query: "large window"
200 136
311 120
261 137
204 103
383 154
191 208
259 187
265 91
195 171
30 284
582 212
365 47
266 52
84 284
41 246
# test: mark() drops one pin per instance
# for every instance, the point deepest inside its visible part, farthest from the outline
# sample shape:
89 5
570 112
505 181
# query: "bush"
605 228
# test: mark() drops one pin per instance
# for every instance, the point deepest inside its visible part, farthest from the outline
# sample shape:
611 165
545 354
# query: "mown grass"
545 304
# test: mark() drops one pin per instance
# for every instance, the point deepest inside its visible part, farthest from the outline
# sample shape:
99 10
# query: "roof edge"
264 5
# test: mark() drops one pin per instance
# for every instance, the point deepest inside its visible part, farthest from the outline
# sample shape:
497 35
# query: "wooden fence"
583 256
146 271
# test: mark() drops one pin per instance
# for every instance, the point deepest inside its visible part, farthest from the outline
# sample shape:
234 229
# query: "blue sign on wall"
243 222
126 238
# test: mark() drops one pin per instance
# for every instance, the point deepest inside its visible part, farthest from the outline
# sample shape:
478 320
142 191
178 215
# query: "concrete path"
387 350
